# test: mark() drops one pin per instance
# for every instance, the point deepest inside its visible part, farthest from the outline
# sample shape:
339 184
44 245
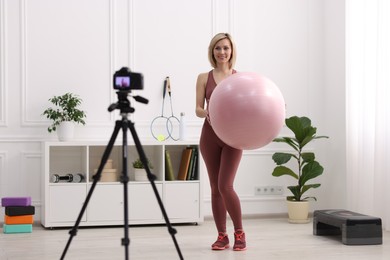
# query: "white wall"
49 47
334 110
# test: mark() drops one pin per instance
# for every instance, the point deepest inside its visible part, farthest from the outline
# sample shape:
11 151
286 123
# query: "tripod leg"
125 181
152 178
96 178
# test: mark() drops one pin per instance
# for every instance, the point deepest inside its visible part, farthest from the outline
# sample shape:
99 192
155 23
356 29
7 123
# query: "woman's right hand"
208 116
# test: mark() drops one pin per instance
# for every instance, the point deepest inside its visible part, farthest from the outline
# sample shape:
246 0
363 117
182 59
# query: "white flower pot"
298 211
140 175
65 131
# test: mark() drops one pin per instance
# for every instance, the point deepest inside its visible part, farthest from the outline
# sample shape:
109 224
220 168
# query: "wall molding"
3 159
215 4
131 23
26 180
31 155
254 205
3 60
23 62
231 21
253 198
214 17
25 121
23 139
112 34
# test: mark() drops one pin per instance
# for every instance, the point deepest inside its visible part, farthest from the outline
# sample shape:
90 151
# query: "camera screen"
122 82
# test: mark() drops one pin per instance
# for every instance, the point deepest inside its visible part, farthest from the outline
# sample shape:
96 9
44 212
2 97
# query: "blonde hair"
214 41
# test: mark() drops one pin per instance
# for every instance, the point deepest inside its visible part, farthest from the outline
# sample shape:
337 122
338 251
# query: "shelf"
63 200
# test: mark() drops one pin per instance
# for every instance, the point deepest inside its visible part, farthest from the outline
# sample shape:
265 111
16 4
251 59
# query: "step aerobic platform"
355 228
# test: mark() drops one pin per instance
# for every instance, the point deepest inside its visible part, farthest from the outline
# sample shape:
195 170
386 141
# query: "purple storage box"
16 201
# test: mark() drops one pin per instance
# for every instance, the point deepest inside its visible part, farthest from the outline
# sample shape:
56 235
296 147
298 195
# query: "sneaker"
221 243
239 241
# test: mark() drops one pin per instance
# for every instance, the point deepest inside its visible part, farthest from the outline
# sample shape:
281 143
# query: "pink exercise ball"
247 110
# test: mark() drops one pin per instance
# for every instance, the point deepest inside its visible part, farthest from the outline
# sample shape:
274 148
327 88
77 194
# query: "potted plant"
139 170
307 166
65 115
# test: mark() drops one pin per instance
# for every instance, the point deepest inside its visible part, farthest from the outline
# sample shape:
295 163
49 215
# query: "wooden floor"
267 238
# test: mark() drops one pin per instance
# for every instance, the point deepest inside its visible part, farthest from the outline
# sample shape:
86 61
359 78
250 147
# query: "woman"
221 159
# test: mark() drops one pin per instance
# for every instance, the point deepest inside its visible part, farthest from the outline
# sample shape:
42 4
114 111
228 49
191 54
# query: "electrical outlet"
258 191
268 190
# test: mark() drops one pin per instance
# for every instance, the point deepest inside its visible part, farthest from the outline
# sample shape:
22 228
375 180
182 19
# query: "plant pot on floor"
308 167
65 131
298 211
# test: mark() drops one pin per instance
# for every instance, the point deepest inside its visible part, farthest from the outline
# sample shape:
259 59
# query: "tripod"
124 106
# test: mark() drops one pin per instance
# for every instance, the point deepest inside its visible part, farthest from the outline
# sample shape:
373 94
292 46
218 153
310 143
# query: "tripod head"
123 103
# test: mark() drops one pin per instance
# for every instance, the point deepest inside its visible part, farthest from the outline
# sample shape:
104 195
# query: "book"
194 170
169 176
184 164
190 167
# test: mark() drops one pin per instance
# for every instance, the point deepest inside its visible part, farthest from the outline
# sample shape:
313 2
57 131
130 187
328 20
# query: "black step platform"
355 228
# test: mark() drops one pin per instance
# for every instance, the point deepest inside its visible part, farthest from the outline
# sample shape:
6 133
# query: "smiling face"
222 51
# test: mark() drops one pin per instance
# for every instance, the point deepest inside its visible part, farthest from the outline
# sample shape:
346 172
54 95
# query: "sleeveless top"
210 85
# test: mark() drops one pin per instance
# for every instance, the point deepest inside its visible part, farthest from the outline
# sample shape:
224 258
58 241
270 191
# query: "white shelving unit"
62 201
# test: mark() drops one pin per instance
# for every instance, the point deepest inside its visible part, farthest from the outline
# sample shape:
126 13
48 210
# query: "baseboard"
260 216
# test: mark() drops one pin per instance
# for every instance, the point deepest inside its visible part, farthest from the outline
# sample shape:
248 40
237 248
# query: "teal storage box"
22 228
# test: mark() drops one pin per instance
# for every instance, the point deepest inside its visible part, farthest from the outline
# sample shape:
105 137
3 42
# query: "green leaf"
299 126
310 171
290 198
307 187
288 140
296 191
308 157
138 164
283 170
279 140
306 198
282 158
309 133
321 136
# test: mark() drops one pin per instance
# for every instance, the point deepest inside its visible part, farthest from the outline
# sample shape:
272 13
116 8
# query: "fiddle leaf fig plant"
307 166
66 110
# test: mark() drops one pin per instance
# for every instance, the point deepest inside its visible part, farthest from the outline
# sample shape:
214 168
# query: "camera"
126 80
